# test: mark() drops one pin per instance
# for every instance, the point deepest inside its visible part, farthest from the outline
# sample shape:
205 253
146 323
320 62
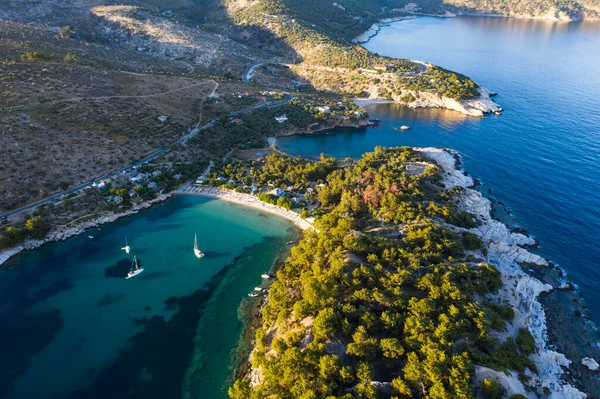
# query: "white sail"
197 252
126 248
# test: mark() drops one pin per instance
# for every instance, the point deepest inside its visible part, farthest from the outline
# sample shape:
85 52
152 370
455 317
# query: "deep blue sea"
74 327
541 157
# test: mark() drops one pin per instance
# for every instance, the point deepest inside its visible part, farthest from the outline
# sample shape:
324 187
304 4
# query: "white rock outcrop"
520 290
473 107
590 363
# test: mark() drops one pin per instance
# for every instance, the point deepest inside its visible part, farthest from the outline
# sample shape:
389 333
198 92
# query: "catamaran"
197 252
126 248
135 269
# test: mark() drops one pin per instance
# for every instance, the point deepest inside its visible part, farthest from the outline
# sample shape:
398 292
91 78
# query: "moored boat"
126 248
135 269
199 254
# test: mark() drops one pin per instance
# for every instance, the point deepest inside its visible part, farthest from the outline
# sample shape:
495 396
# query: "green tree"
324 325
490 389
37 227
285 202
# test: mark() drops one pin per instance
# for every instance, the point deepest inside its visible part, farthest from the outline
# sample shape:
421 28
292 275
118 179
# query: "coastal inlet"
73 327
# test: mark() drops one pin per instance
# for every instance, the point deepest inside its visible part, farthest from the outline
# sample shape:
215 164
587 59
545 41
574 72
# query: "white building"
277 192
324 109
281 118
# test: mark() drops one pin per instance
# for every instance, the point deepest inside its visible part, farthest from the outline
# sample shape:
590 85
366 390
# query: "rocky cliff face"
520 290
472 107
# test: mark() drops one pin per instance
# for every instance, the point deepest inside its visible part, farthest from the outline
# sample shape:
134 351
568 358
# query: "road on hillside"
246 75
286 98
422 64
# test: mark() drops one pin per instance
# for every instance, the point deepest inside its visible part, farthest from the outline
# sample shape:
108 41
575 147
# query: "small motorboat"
265 276
404 127
253 295
90 237
258 289
290 242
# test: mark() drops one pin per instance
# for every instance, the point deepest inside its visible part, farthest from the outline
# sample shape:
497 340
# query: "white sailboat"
135 269
197 252
126 248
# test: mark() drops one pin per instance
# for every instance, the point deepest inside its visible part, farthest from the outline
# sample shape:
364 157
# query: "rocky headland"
507 251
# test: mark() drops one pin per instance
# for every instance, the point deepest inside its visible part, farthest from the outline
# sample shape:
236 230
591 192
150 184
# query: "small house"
277 192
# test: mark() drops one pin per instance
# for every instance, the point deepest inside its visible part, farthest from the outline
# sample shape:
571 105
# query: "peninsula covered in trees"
382 298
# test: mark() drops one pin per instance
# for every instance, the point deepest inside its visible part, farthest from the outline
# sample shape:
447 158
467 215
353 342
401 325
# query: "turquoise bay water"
541 157
73 327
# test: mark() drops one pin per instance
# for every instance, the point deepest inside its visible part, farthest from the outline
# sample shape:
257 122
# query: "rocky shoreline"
478 107
506 250
375 28
61 233
308 131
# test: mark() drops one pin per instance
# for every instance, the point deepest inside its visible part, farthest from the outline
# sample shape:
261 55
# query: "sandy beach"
246 200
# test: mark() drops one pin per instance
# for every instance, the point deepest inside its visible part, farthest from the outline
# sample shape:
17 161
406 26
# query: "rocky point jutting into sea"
506 251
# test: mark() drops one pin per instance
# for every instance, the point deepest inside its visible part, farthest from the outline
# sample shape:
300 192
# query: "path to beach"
244 199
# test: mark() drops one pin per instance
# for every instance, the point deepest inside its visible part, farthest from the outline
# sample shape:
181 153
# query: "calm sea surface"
73 327
541 157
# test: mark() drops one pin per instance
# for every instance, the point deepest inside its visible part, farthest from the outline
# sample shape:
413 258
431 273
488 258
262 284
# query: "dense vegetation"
35 228
378 299
321 36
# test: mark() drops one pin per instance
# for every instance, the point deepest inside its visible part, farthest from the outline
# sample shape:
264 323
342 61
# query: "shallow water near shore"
541 157
74 327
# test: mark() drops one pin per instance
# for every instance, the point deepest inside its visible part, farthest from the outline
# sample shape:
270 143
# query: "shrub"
462 219
266 197
490 389
525 341
285 202
472 241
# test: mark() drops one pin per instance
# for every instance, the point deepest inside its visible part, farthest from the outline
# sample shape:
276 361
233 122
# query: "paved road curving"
248 72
